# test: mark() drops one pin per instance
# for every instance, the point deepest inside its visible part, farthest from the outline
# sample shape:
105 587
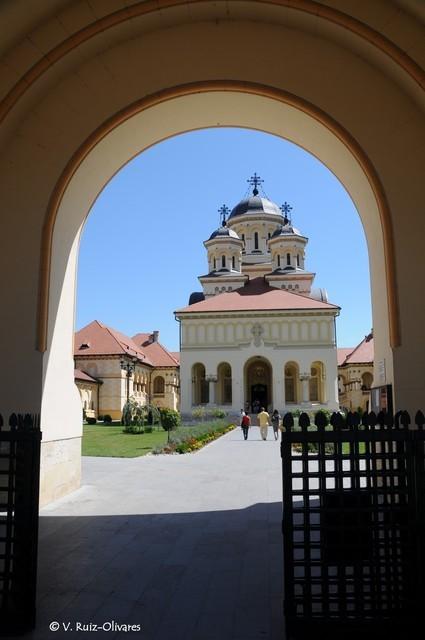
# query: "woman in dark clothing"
276 423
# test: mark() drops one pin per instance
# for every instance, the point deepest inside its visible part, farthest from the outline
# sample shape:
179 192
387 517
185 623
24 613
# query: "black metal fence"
19 489
353 525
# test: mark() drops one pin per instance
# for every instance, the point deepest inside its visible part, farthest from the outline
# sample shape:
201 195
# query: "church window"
215 263
233 262
223 262
290 383
298 259
256 240
159 386
315 382
278 261
288 258
224 388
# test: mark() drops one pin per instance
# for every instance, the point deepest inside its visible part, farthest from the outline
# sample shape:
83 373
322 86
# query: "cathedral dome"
255 205
223 232
286 230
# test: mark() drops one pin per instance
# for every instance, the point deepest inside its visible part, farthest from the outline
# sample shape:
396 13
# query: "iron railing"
353 525
19 489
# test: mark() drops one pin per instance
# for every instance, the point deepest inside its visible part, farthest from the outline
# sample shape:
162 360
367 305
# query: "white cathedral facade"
258 334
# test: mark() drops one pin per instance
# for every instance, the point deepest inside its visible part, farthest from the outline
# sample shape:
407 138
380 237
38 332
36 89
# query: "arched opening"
159 386
224 384
292 374
121 139
367 380
258 377
316 386
200 386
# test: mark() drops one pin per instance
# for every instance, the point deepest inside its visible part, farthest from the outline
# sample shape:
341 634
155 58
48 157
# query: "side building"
110 367
258 334
355 375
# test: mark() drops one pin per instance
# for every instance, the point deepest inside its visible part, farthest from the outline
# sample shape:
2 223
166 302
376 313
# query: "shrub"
199 413
217 413
100 418
134 428
148 429
91 420
107 419
170 419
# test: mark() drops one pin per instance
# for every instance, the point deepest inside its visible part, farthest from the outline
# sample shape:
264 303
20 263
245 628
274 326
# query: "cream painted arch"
162 116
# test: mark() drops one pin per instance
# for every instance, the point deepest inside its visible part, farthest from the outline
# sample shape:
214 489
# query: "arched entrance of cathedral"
258 383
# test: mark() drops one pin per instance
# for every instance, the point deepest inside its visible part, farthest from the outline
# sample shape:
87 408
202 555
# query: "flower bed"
188 439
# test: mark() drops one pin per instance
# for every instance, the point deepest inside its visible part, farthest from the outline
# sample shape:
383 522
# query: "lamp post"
129 368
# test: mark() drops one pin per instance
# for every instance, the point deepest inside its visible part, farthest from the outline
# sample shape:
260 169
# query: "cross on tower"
223 211
286 209
255 181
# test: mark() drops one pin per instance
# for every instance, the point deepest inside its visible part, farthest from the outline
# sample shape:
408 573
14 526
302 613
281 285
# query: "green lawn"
112 442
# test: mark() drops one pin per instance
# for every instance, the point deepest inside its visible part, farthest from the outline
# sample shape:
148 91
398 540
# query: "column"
305 390
212 380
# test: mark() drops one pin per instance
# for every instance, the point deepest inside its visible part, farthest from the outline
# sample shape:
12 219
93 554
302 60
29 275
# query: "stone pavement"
188 547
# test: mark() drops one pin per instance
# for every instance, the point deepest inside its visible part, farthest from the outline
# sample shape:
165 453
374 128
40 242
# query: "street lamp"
129 368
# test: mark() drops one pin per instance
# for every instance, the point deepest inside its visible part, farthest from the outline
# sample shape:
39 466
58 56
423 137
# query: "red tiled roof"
81 375
364 352
156 352
97 339
256 296
176 355
342 353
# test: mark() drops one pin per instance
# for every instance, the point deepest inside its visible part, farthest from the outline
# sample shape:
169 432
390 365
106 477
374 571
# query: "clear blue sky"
142 245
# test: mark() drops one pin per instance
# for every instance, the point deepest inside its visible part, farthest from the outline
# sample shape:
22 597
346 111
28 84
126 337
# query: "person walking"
276 417
263 421
245 424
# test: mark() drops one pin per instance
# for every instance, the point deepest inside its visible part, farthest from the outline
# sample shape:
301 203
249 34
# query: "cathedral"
258 334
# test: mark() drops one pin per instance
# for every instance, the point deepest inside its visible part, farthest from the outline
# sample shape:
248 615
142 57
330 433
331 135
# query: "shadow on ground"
214 575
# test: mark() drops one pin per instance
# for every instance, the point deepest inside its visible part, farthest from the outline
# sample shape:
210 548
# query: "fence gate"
353 525
19 487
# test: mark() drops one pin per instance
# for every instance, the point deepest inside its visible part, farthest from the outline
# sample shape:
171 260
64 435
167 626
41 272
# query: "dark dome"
286 230
196 296
223 232
255 205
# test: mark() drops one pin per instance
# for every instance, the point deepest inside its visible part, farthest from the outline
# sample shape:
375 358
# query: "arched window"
200 386
288 258
215 264
256 240
233 262
367 379
298 259
224 383
159 386
291 383
278 260
315 382
223 262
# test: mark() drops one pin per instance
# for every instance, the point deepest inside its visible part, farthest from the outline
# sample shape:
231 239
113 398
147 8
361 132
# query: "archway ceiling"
388 37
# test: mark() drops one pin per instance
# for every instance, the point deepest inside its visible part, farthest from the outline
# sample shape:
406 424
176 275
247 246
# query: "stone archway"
77 110
258 384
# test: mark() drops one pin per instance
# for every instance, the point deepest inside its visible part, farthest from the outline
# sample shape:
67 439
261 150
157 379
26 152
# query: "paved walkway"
188 547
